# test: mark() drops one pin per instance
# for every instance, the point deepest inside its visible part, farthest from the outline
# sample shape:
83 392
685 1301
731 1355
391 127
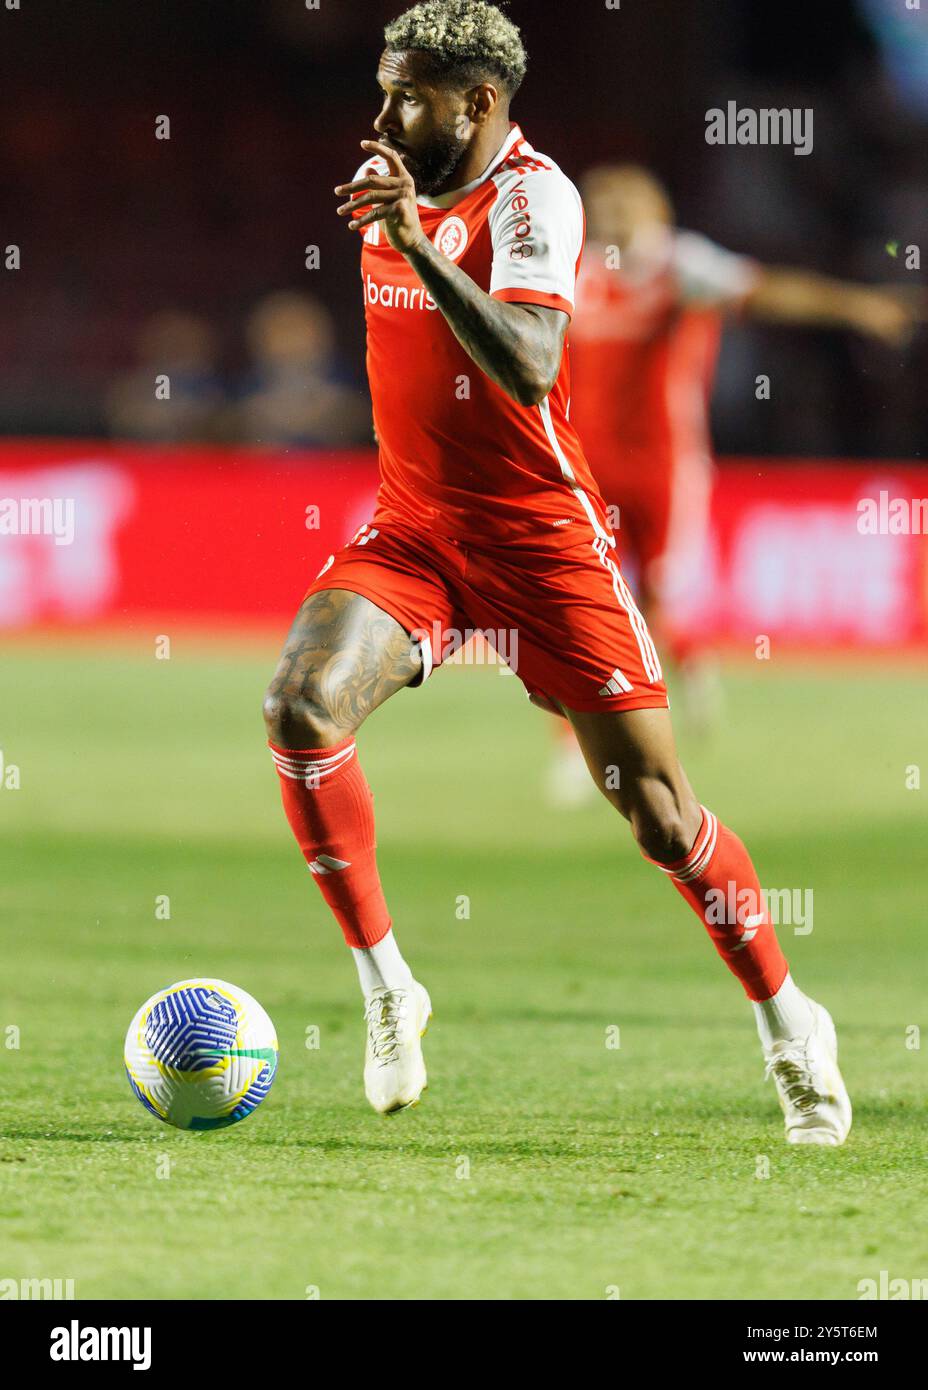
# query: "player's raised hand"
387 198
890 317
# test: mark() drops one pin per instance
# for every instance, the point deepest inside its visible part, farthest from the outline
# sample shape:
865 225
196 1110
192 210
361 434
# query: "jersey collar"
448 200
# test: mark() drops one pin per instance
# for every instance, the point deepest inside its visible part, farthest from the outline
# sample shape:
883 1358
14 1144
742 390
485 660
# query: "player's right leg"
343 658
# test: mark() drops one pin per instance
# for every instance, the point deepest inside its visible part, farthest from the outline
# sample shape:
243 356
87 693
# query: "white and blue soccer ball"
201 1054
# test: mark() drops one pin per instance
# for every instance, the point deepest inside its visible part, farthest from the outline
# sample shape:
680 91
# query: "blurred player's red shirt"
645 340
459 458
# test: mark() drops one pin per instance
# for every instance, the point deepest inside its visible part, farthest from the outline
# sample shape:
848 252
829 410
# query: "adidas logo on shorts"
616 684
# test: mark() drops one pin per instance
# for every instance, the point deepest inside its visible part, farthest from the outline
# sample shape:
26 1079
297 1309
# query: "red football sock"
720 884
330 808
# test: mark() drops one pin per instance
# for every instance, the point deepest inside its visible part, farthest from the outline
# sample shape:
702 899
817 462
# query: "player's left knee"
661 838
663 821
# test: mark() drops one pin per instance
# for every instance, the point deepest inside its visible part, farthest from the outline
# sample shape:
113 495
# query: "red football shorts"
562 619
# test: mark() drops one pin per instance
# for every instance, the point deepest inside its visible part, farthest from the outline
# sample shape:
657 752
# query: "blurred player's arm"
783 295
708 274
518 345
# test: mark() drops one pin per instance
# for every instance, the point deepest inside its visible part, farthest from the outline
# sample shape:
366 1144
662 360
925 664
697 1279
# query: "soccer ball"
201 1054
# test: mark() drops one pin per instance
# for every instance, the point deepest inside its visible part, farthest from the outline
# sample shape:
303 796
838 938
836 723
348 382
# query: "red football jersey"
458 456
646 338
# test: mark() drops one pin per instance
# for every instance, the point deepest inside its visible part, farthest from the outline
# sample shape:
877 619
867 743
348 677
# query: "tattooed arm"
519 346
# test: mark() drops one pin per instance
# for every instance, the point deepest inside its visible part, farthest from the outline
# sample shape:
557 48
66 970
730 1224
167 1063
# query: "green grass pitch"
542 1163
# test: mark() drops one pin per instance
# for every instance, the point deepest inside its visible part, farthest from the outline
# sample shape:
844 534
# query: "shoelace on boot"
384 1013
795 1072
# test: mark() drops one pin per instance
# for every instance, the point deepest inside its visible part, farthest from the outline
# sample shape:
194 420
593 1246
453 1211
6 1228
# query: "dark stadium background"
269 100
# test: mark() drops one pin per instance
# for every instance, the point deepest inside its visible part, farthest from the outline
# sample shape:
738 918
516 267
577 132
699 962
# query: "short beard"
436 165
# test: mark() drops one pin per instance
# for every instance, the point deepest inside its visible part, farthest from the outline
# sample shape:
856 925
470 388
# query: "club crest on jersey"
451 237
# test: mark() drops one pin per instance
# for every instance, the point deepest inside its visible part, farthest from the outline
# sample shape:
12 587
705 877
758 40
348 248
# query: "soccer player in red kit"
488 518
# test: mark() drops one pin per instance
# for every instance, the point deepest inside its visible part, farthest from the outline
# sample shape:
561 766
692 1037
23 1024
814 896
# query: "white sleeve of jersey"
536 228
376 164
707 274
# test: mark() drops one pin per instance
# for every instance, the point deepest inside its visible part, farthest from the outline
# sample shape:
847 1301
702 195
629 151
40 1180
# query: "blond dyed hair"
468 39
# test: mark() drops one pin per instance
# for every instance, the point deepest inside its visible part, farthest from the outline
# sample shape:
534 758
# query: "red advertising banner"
204 533
822 555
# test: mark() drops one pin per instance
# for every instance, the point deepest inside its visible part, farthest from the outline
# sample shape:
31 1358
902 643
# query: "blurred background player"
644 345
182 348
295 391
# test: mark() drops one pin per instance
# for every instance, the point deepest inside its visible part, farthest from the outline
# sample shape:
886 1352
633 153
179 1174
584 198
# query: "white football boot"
394 1068
812 1095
